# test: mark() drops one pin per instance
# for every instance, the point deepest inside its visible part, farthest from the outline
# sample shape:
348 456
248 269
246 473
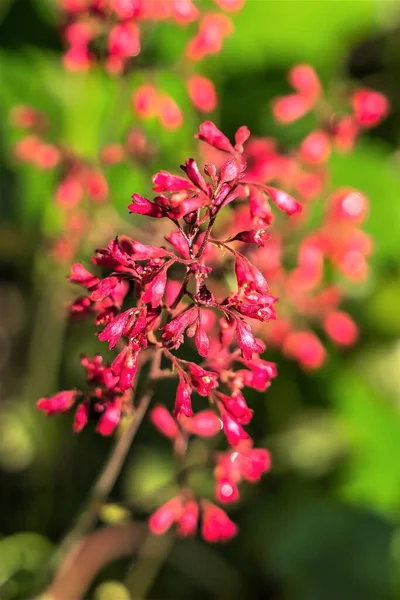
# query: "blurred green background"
325 524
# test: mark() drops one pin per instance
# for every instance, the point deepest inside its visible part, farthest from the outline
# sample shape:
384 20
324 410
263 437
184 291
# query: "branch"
107 478
89 555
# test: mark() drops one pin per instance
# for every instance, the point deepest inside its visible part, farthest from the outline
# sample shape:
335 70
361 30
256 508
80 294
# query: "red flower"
341 328
306 348
103 288
164 421
203 381
142 206
109 419
283 201
124 40
232 428
125 366
165 182
188 519
82 276
170 114
145 101
287 109
174 330
216 525
183 401
204 424
315 148
154 290
370 107
210 134
115 329
236 405
246 340
165 516
81 417
60 402
226 491
193 172
202 93
305 80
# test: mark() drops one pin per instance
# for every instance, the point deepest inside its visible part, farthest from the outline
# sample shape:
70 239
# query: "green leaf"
22 552
372 422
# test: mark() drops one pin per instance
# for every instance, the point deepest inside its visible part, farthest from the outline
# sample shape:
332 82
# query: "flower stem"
108 476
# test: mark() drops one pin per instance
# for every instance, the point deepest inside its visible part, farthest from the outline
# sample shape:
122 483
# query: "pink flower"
305 347
112 154
115 329
260 374
124 40
174 330
315 148
96 185
341 328
183 401
260 209
203 381
164 422
216 525
246 340
193 172
125 366
145 101
165 182
69 192
370 107
201 339
179 242
188 519
60 402
142 206
248 276
348 205
204 424
82 276
283 201
202 93
210 134
103 288
125 9
170 114
232 428
305 80
77 58
226 491
287 109
109 419
236 405
81 417
212 31
165 516
254 236
154 290
253 463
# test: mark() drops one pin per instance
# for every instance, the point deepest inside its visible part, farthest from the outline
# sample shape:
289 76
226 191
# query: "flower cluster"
154 298
113 29
308 265
81 184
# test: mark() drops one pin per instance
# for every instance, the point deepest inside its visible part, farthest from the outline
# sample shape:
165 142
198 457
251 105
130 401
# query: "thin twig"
89 555
107 478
